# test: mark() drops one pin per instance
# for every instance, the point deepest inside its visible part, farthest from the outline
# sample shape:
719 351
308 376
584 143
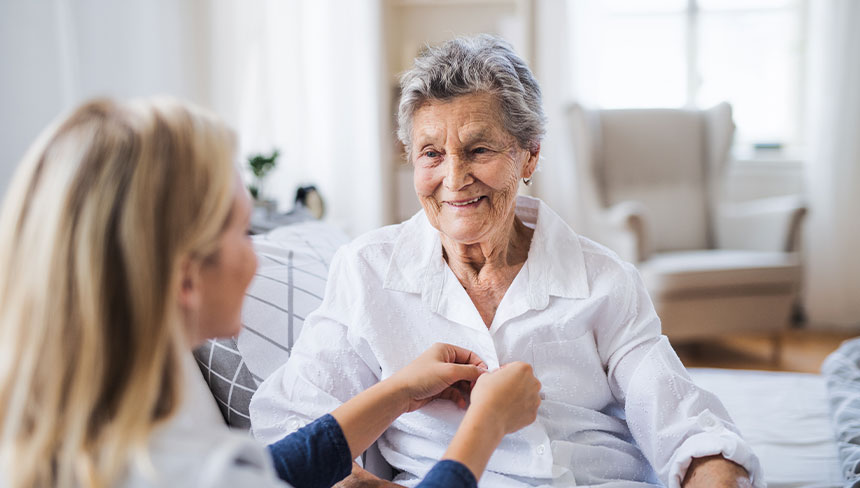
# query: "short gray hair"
466 65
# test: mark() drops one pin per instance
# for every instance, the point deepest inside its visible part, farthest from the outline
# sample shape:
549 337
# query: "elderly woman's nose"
457 174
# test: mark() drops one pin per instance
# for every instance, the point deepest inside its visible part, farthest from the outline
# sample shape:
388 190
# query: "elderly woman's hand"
716 471
442 371
363 479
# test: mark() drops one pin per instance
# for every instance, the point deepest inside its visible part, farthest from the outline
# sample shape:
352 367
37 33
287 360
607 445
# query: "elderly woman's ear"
531 165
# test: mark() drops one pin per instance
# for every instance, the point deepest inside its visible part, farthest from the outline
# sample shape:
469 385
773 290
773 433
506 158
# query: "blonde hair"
100 216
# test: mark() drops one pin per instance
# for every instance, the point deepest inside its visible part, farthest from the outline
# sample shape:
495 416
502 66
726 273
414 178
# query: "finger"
517 365
460 355
464 387
462 372
454 395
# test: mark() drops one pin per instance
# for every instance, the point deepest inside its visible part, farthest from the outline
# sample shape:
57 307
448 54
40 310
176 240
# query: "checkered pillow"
290 283
229 379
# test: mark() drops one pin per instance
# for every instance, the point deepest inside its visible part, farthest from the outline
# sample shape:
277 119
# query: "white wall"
31 91
56 53
141 47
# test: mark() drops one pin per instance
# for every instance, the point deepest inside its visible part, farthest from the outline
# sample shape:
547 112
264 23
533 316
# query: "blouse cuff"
449 474
719 441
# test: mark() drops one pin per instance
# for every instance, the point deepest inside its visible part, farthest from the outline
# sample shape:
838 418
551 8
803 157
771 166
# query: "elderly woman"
504 277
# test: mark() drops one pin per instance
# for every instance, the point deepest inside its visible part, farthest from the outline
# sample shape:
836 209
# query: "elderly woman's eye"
431 154
480 150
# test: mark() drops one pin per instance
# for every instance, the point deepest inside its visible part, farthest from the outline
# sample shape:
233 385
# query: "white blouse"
619 408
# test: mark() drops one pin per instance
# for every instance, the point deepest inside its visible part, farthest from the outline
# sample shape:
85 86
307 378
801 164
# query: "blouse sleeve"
328 364
316 455
671 419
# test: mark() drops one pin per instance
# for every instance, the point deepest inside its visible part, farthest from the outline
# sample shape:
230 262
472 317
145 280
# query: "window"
697 53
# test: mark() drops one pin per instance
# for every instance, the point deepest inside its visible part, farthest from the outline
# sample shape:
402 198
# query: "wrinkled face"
225 277
467 167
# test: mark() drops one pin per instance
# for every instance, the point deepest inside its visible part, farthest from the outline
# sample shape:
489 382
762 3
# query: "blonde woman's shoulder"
219 458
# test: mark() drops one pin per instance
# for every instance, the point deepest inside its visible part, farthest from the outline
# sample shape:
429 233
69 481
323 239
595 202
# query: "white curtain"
833 238
305 76
555 181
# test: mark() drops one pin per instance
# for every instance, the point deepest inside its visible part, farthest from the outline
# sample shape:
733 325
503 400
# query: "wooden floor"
800 350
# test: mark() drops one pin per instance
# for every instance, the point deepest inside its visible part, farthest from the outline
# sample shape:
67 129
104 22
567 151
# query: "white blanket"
784 416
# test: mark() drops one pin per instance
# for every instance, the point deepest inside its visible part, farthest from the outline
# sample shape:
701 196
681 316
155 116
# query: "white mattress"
784 416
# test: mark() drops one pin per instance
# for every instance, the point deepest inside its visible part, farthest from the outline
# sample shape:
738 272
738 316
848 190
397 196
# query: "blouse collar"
555 263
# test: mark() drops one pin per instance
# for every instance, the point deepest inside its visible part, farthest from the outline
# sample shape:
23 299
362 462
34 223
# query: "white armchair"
651 180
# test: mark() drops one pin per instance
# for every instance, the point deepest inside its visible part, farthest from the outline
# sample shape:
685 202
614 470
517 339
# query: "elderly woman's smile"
467 167
466 204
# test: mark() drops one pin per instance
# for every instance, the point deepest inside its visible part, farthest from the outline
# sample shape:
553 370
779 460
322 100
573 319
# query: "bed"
786 419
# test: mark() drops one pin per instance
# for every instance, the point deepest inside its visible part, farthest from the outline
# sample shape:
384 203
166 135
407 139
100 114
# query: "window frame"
793 140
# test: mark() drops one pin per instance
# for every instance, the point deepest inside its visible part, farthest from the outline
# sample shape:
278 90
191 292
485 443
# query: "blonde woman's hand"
442 371
508 397
503 401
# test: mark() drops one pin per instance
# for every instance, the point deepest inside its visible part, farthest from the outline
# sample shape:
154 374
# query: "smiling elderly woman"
505 277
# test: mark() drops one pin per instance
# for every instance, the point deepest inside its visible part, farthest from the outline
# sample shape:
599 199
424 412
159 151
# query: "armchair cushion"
702 294
714 273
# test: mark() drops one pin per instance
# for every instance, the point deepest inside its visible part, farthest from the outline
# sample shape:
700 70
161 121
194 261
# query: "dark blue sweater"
317 455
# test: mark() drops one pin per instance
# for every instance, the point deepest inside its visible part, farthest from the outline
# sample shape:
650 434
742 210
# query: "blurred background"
317 80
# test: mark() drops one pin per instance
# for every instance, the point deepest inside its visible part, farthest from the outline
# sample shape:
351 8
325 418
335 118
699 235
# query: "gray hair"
466 65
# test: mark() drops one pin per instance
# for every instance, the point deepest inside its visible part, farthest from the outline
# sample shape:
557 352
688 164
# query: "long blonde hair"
100 215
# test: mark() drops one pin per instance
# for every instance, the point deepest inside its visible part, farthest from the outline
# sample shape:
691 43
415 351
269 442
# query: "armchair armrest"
766 224
623 227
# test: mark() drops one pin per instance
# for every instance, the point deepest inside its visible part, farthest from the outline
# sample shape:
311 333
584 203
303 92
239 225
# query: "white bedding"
785 418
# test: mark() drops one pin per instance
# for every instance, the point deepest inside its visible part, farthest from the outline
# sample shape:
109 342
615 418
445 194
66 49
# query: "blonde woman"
123 242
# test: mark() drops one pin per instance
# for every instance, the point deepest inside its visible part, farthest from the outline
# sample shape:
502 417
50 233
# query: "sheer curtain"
305 76
555 181
565 64
833 238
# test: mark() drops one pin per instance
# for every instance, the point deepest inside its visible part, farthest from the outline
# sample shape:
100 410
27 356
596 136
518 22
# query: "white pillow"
290 283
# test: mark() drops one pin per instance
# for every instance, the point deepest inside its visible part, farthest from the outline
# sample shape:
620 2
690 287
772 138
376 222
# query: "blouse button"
708 422
540 450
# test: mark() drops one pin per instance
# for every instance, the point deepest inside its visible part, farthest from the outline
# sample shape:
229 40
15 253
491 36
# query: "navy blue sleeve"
449 474
317 455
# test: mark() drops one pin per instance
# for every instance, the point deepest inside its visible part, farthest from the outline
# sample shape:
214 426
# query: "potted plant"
261 165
